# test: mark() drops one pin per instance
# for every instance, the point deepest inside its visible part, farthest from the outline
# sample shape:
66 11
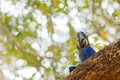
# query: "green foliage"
98 0
117 13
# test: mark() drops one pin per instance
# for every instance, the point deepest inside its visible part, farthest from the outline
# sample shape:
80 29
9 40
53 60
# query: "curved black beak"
81 42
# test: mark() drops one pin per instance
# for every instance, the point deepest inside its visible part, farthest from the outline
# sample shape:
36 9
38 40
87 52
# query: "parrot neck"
84 47
87 46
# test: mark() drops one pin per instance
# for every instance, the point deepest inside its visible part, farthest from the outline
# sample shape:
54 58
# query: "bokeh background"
38 37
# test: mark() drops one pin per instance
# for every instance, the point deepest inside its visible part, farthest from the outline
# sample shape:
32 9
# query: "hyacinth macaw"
84 48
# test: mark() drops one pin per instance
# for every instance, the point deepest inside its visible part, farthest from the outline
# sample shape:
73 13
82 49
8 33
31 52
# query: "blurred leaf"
98 47
98 0
116 13
50 25
96 39
72 32
58 1
65 3
55 49
30 58
118 1
72 59
86 3
103 33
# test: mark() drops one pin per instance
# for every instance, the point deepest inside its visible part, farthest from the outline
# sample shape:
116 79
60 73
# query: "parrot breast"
85 53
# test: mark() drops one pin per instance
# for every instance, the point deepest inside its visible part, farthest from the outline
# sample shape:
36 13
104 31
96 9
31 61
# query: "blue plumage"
85 53
71 68
84 49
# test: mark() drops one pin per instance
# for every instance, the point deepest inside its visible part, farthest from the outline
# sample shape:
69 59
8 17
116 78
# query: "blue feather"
71 68
85 53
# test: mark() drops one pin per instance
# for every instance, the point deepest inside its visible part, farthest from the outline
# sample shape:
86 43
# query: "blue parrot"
84 48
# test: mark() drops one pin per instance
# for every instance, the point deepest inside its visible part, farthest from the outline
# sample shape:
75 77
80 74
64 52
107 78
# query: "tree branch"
104 65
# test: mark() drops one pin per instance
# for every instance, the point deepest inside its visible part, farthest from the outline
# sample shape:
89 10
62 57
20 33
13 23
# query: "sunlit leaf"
98 46
87 3
50 25
98 0
116 13
96 39
104 33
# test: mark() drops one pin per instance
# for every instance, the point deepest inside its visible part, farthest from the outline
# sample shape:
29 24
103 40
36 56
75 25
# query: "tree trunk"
104 65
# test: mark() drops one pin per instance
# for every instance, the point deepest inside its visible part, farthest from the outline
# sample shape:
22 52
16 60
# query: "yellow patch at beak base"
86 41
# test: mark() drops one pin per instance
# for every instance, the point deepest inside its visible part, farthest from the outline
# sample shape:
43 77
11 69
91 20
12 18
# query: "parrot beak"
82 43
82 40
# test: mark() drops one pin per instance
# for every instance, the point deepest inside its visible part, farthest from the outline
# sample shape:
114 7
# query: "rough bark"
104 65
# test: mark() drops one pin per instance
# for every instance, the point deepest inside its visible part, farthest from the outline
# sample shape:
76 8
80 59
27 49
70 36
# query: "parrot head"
82 40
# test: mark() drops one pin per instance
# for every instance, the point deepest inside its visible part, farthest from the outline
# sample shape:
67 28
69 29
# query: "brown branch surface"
104 65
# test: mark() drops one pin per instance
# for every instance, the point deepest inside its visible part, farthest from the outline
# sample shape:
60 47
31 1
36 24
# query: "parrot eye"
82 40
